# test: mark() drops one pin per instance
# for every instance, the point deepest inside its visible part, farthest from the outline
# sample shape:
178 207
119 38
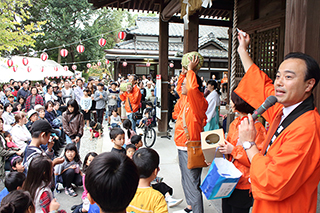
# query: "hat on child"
42 126
30 113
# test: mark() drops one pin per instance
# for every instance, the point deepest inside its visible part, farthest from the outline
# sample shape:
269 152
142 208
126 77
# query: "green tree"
13 32
72 21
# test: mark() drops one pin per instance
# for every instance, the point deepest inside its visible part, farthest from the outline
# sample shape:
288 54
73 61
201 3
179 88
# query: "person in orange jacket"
241 199
286 173
193 102
134 95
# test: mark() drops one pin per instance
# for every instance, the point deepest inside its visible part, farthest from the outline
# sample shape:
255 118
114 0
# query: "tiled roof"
150 26
211 38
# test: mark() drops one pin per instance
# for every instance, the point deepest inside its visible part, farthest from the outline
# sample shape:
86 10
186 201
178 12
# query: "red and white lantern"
74 67
10 63
29 69
99 63
124 64
148 64
44 56
42 68
107 61
25 61
80 48
56 68
57 77
88 65
14 69
171 65
66 68
122 35
102 42
64 52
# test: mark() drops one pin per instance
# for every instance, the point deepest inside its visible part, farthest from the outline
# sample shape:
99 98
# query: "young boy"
13 181
96 129
117 137
111 181
86 103
112 99
130 150
40 132
136 140
100 96
146 198
147 114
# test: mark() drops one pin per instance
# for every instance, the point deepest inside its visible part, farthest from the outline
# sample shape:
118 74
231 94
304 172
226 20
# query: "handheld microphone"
270 101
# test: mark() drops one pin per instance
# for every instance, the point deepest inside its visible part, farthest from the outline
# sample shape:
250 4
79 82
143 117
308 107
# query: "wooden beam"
163 67
302 32
210 22
191 36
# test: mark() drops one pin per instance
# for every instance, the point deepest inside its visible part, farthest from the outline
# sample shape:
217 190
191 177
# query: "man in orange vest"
285 174
195 106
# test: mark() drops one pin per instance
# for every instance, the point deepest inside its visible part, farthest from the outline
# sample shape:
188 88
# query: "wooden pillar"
302 32
163 70
190 42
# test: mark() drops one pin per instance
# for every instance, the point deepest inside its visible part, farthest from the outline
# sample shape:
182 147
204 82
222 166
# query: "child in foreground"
96 129
117 137
146 198
108 184
137 141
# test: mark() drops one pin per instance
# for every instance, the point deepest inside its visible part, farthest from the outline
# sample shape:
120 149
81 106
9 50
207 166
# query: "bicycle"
149 134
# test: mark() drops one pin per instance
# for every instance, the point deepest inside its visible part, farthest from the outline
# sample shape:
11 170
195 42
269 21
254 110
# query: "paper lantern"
66 68
25 61
57 77
63 52
102 42
107 61
171 65
10 63
124 64
88 65
56 68
99 63
148 64
44 56
29 69
80 48
14 69
121 35
74 67
42 68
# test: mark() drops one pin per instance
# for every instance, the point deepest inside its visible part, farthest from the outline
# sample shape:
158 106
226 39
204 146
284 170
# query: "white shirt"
287 110
20 135
49 97
213 101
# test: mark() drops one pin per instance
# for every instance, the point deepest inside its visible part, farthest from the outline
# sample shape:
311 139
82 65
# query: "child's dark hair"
127 125
146 160
17 201
131 146
75 105
6 134
135 139
14 162
115 111
92 123
72 147
84 167
114 132
108 183
39 174
13 180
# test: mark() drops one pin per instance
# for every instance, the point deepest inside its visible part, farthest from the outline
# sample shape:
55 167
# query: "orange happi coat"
239 155
195 105
286 179
135 98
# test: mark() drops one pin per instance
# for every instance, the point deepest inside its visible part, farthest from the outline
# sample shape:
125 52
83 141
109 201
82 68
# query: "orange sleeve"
180 81
254 88
177 109
135 96
123 96
289 164
194 96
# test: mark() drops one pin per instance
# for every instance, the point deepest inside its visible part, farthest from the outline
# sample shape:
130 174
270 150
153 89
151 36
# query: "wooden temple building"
276 28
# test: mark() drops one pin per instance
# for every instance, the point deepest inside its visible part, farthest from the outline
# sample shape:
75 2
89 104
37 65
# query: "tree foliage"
13 32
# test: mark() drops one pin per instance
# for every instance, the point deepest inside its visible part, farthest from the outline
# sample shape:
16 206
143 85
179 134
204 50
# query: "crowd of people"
279 167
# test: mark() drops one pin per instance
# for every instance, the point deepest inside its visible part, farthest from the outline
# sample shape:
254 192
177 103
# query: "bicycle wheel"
149 137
